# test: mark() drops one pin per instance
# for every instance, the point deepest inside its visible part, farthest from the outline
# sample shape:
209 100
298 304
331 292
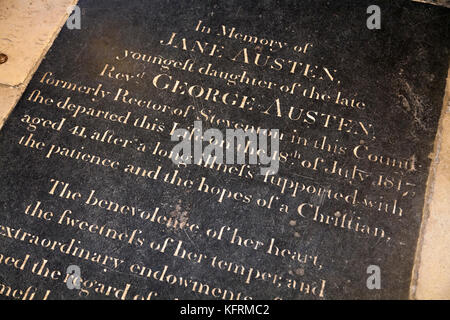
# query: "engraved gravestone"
93 207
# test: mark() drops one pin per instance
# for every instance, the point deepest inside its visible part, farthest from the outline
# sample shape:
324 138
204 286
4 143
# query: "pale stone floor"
27 30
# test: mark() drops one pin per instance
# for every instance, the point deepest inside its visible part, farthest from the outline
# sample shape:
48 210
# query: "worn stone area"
401 68
27 29
432 264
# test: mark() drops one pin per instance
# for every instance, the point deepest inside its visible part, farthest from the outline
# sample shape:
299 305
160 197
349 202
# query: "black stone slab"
398 72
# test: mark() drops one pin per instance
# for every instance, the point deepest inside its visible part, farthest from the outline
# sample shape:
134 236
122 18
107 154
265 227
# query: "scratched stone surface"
398 71
27 29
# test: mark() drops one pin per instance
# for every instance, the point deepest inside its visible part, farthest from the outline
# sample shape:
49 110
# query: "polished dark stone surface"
399 71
